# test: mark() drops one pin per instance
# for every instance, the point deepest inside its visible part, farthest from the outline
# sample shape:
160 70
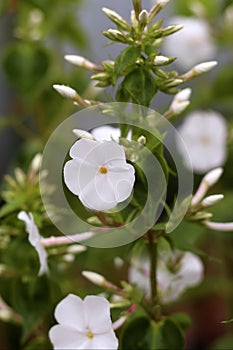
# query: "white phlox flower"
193 44
204 134
99 174
34 238
83 324
176 272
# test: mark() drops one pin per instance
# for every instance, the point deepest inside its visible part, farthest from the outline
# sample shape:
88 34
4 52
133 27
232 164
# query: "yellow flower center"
103 169
89 334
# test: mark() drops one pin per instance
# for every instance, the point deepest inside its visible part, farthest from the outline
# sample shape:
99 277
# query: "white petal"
70 313
106 341
31 228
66 338
138 277
106 132
122 180
43 256
98 194
77 174
97 311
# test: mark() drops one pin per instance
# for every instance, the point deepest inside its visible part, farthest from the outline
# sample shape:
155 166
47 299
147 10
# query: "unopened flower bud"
143 18
94 277
213 176
36 162
179 107
204 67
65 91
183 95
76 249
211 200
160 60
116 18
82 134
142 140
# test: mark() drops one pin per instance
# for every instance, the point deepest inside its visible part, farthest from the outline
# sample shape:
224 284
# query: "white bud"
204 67
179 107
94 277
163 3
76 249
219 226
118 262
114 32
68 257
5 315
75 59
82 134
142 140
160 60
36 162
212 200
183 95
65 91
143 18
212 176
111 13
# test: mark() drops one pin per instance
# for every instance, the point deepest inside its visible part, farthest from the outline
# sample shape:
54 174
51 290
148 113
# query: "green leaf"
126 59
140 85
166 336
137 335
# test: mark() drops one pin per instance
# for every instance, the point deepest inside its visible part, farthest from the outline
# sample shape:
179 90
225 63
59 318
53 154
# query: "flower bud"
65 91
179 107
204 67
143 18
213 176
211 200
183 95
116 18
160 60
142 140
76 249
94 277
80 61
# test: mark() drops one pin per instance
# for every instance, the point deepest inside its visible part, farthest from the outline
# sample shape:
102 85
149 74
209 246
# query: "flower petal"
106 341
122 181
97 311
77 174
65 338
31 228
98 194
70 313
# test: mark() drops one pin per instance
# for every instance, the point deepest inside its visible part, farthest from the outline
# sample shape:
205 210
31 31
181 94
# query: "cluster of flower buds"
199 203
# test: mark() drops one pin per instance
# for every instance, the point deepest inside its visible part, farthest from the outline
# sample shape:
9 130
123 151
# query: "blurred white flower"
192 45
83 324
176 272
204 134
98 174
35 240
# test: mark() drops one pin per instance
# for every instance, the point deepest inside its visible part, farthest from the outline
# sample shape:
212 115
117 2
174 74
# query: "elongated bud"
212 200
171 29
183 95
80 61
82 134
116 18
36 163
142 140
65 91
137 4
158 6
160 60
173 82
199 70
143 19
208 181
179 107
117 324
212 177
116 35
219 226
76 249
94 277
